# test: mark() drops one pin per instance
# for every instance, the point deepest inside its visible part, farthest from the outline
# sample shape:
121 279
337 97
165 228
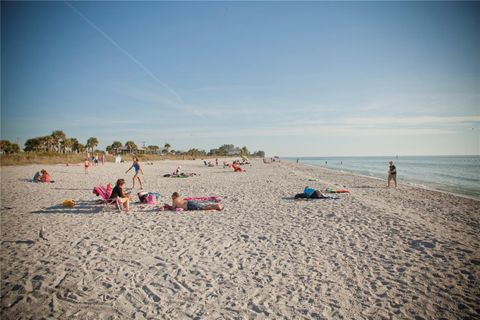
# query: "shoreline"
405 182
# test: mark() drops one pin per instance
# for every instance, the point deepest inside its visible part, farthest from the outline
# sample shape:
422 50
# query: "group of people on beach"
42 176
95 159
124 198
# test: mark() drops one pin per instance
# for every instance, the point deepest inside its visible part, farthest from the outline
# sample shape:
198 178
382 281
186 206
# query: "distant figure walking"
87 164
137 168
392 174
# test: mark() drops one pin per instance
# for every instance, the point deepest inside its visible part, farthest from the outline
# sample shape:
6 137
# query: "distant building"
233 151
125 150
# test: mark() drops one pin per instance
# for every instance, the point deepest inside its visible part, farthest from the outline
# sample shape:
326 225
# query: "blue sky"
289 78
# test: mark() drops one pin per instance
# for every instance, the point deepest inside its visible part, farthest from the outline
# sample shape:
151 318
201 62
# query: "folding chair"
104 193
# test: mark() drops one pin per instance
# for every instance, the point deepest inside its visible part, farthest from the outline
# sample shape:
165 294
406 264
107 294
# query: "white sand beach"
376 253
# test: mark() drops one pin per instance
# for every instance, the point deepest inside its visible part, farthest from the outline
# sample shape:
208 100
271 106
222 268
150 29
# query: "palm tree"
244 151
115 146
14 148
153 148
8 147
68 144
58 137
47 143
4 145
81 147
75 145
131 146
92 142
32 144
167 147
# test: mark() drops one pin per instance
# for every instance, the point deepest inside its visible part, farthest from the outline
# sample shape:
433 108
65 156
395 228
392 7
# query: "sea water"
456 174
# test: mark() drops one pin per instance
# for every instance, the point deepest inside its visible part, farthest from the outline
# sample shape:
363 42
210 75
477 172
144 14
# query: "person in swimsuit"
45 176
118 193
310 193
392 174
87 164
137 168
179 202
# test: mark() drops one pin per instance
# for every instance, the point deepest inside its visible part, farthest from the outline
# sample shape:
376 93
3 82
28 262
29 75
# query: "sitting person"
180 203
37 176
118 193
45 176
236 168
177 171
310 193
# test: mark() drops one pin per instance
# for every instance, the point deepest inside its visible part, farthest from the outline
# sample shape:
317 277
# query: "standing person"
95 160
102 159
392 174
136 167
87 164
216 161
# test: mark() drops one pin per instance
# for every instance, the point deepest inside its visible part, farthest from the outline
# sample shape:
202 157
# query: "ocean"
456 174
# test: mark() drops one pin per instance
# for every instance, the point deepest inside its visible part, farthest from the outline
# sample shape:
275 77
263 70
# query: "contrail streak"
131 57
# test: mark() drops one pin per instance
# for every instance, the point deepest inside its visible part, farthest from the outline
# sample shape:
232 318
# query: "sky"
289 78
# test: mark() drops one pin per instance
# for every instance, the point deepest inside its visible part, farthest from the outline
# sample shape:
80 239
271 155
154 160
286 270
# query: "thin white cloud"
125 52
411 121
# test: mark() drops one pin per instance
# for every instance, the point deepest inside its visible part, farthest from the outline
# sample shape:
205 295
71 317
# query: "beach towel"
303 196
333 190
148 197
212 198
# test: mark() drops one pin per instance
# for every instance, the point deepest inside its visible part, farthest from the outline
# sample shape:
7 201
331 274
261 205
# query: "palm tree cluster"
222 151
59 142
130 147
8 147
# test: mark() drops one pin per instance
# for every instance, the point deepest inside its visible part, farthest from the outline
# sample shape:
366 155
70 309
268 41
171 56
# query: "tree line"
58 142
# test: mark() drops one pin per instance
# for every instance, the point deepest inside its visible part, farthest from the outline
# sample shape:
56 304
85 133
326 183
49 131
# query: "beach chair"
104 193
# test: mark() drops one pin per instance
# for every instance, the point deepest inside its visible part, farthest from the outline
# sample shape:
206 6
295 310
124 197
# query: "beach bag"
148 197
152 197
69 203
